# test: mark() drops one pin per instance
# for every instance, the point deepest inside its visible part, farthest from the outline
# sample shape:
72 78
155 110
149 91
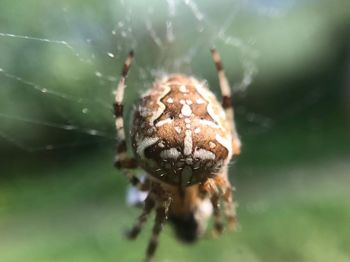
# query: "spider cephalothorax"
184 139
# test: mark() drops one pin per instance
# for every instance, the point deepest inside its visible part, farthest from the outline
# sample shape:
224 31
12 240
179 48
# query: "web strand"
166 37
50 41
44 90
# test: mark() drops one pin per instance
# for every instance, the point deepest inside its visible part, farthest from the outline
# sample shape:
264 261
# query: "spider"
183 138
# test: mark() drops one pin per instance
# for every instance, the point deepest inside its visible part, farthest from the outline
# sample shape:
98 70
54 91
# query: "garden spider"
184 139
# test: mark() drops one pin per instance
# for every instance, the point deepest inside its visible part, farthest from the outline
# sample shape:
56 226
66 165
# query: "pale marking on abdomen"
212 114
178 129
208 97
186 110
170 153
163 122
183 89
141 147
204 154
161 106
208 123
188 142
225 143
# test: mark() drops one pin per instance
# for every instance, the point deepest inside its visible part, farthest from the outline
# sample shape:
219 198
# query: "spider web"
58 75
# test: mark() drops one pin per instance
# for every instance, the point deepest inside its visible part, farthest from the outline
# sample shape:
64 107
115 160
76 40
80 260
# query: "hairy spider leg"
162 209
230 207
226 100
148 207
218 224
219 189
211 189
122 160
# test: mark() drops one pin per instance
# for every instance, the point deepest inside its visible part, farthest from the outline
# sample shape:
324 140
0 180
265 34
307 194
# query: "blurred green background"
289 65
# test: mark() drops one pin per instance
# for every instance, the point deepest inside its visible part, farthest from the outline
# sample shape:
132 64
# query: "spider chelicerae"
183 138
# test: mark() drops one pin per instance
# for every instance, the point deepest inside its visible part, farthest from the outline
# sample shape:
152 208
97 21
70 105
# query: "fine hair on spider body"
184 139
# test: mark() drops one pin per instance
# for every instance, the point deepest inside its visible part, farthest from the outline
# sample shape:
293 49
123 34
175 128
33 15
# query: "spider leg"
122 160
210 189
227 197
161 217
226 100
230 208
218 225
136 229
219 189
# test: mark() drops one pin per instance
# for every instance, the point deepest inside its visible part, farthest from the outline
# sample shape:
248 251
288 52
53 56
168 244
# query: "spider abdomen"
180 132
